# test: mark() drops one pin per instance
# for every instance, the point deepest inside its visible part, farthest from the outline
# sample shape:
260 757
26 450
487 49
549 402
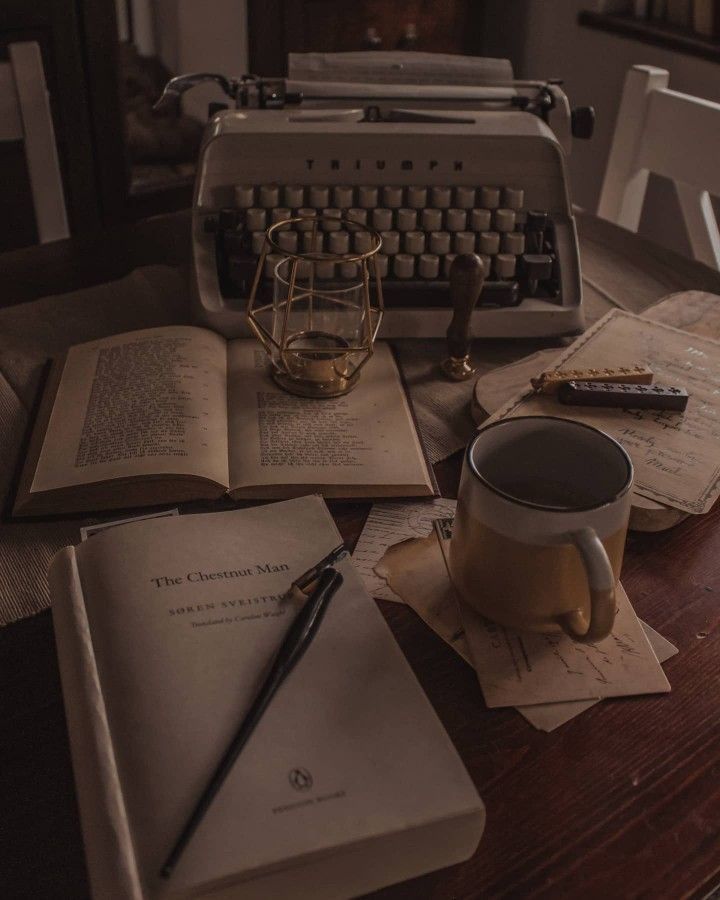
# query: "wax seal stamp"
467 275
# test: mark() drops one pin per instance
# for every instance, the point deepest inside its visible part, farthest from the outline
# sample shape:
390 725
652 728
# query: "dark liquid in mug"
548 492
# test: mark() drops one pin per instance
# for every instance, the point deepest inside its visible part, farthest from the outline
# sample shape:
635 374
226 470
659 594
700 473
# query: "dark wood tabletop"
622 801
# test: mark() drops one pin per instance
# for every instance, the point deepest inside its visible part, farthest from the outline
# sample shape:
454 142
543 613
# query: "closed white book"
165 631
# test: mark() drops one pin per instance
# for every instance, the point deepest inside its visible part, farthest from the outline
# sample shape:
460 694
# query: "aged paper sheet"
517 669
388 524
417 571
151 402
508 661
549 716
675 455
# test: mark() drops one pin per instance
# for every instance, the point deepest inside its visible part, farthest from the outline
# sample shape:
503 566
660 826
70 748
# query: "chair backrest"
25 115
672 134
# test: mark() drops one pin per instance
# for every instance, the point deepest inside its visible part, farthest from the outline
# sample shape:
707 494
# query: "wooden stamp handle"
467 275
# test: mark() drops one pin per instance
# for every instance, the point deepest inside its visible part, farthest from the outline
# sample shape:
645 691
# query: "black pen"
298 638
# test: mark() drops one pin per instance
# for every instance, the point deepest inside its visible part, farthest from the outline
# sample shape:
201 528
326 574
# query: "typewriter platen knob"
582 122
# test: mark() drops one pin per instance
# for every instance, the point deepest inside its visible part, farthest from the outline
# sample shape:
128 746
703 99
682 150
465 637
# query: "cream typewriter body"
473 171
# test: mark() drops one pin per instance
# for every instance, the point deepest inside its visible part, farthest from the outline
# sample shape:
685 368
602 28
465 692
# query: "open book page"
151 402
365 441
675 455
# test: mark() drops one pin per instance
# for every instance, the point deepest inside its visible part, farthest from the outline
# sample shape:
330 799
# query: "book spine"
702 17
658 10
109 850
706 18
678 12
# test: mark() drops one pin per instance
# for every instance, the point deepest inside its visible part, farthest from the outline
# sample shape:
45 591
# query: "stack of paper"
548 678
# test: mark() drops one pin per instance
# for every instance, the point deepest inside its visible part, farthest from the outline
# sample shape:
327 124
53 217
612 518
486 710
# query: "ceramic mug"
540 527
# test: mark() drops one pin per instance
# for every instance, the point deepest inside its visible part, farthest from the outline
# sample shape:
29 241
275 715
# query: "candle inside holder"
317 357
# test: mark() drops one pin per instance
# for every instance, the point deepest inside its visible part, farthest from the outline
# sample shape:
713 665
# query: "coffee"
540 526
549 492
521 585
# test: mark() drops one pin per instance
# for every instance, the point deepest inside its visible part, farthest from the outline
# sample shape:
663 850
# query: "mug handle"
601 584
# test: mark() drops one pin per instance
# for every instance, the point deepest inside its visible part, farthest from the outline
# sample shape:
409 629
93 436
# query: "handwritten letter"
675 455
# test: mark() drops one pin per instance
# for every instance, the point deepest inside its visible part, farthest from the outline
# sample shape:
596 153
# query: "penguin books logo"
300 779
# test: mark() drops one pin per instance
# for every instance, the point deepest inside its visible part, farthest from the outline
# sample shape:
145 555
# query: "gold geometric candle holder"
313 309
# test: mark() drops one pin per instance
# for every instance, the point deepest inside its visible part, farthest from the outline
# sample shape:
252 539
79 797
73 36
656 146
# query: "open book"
165 631
178 413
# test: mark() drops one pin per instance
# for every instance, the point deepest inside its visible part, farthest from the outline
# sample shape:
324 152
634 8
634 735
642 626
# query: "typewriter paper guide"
142 418
348 783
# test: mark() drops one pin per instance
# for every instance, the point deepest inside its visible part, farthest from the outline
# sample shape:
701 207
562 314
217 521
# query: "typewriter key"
480 220
343 196
244 195
464 197
392 197
464 242
307 214
357 215
367 197
513 197
504 219
390 242
318 196
489 197
414 242
269 195
456 219
294 195
513 242
440 242
382 219
489 242
429 265
404 266
339 242
417 197
440 197
406 219
255 219
505 266
431 220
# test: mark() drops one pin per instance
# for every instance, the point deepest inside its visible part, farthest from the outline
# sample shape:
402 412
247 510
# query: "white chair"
672 134
25 116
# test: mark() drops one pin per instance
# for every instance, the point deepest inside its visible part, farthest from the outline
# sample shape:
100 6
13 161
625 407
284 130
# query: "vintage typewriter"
436 169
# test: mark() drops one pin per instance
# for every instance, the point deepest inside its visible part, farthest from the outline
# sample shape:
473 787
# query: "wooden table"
623 801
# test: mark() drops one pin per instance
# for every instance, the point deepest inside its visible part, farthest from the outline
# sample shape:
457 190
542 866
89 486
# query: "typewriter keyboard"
423 228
